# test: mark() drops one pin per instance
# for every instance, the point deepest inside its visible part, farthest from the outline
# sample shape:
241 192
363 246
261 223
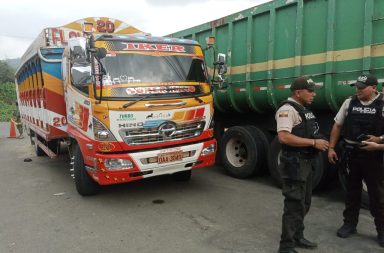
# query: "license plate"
170 157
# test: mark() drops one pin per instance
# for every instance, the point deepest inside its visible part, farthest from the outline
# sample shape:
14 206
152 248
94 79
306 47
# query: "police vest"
364 119
308 128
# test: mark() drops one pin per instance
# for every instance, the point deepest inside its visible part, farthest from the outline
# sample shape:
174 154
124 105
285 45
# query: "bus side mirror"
221 67
220 63
81 75
78 50
221 58
101 53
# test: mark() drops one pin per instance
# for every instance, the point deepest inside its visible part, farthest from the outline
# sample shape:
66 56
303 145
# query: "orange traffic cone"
12 130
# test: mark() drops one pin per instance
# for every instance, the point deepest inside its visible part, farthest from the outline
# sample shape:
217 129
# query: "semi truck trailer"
266 48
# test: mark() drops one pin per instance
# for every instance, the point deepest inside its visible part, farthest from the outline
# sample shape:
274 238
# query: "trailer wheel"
319 170
239 152
262 149
274 161
182 175
323 172
85 185
364 194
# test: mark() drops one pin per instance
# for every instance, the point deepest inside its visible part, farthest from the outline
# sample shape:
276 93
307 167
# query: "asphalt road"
41 212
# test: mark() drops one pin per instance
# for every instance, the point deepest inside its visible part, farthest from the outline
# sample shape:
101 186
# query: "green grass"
7 101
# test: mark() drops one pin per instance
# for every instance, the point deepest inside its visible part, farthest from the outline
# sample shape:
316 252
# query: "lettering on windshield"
159 90
108 80
154 47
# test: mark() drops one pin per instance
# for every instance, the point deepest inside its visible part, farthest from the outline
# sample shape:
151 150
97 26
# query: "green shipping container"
267 46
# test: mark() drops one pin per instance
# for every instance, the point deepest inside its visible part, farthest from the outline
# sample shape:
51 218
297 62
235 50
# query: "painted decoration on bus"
106 146
59 35
152 119
160 90
130 46
114 46
81 116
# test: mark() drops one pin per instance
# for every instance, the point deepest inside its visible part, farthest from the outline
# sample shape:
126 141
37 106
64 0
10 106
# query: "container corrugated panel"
267 46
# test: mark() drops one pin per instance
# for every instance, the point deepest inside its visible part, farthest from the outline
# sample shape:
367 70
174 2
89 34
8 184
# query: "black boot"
380 238
304 243
346 230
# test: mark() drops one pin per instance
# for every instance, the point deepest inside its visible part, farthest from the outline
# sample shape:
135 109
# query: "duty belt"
301 155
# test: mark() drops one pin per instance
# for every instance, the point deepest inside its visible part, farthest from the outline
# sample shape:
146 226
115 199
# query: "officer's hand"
321 144
370 146
372 138
332 156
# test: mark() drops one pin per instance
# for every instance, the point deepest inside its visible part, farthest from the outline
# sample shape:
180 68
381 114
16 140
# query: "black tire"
262 149
319 171
238 150
218 132
323 173
182 175
85 185
274 161
364 194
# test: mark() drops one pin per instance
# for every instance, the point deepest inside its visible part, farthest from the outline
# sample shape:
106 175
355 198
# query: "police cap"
304 83
364 81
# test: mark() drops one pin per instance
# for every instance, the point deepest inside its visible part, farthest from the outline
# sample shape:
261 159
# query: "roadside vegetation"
7 92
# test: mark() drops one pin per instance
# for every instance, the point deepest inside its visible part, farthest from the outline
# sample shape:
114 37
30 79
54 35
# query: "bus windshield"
138 74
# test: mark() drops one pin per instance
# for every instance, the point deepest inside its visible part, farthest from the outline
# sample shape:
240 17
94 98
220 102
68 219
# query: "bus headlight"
118 164
208 150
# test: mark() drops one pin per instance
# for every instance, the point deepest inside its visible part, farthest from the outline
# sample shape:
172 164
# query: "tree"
7 100
6 73
7 91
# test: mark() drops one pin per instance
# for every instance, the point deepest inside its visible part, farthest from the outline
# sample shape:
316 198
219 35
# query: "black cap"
364 81
304 83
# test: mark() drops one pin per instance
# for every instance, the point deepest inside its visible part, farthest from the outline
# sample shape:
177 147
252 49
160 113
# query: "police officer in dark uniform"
361 119
298 133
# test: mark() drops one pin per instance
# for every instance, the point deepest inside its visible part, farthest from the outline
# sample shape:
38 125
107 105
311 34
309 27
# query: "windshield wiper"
196 97
137 100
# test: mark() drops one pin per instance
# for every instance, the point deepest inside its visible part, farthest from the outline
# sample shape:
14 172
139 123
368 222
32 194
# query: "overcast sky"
23 20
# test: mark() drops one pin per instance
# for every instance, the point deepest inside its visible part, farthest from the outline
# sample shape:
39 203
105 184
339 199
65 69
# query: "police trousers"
367 167
297 192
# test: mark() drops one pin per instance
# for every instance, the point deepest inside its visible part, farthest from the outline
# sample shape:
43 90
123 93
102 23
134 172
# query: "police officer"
361 119
298 133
